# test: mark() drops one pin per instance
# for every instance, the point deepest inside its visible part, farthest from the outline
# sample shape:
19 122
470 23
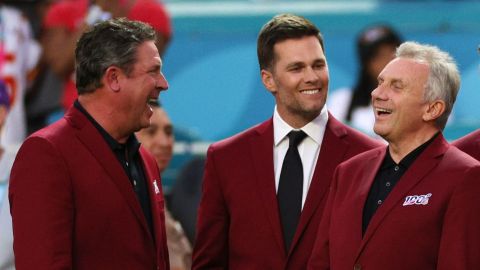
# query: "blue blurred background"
215 88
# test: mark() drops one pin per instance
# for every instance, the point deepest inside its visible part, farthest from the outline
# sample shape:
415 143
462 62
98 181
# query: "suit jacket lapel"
365 180
261 149
155 192
421 167
331 154
93 141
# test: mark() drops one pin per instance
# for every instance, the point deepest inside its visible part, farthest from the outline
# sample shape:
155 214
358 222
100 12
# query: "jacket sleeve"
41 203
211 244
460 241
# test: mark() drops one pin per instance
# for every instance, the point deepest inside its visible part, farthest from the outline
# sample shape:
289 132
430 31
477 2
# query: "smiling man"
413 204
262 199
83 193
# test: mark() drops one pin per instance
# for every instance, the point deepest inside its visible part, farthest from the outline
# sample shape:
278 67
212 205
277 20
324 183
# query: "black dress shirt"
129 157
387 177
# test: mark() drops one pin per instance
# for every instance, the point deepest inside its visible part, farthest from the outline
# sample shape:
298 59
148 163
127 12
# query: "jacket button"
357 267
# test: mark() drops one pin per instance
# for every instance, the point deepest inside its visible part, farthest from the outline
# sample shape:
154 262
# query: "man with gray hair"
413 204
83 193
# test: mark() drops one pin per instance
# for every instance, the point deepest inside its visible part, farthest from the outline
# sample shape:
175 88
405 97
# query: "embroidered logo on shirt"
417 199
155 187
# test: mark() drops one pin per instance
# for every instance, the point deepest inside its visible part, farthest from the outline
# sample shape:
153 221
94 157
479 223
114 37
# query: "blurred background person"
66 20
19 53
185 196
7 156
375 48
158 138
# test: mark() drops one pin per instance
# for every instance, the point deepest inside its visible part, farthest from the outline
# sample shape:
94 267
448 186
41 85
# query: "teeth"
310 92
382 110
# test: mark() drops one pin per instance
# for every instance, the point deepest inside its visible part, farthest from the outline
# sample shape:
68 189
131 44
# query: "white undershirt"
308 149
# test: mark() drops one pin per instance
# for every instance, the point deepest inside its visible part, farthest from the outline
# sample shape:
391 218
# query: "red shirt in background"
71 13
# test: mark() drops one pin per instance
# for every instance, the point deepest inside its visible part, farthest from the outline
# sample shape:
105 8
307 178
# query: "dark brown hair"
280 28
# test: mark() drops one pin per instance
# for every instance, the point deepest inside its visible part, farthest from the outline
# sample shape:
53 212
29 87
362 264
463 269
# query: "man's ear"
434 110
112 78
268 81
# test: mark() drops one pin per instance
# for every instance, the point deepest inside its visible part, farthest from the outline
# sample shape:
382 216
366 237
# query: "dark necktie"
290 188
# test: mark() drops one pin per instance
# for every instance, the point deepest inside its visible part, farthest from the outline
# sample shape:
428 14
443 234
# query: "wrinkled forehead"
405 69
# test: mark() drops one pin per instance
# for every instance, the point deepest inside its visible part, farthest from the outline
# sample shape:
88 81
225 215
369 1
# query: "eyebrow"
400 81
295 64
380 78
156 67
299 63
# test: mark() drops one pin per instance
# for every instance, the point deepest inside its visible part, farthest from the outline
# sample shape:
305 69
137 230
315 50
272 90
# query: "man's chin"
380 133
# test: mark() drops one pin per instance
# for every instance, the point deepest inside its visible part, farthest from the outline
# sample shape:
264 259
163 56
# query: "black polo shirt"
387 177
129 157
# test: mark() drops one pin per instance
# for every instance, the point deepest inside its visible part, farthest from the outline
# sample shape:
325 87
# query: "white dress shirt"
308 149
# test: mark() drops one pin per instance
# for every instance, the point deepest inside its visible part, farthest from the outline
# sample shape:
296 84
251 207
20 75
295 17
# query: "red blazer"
430 220
470 144
73 206
238 222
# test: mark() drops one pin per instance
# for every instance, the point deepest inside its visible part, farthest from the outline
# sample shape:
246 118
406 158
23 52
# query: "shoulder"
57 137
462 169
52 132
457 157
469 143
240 140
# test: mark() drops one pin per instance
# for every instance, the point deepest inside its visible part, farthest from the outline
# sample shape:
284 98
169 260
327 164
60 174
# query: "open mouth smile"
382 111
310 92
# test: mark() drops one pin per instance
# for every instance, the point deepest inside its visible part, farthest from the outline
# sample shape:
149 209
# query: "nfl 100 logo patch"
417 199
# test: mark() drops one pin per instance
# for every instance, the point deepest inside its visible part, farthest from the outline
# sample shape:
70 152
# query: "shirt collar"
132 143
410 157
314 129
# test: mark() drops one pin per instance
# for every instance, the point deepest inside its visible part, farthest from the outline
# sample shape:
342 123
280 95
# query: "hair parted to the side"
444 79
280 28
110 43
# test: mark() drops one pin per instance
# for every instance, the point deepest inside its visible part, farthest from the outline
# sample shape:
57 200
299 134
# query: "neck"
297 120
399 149
104 115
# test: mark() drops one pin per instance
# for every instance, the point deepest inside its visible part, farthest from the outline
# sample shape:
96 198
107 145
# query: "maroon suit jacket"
238 222
470 144
430 220
73 206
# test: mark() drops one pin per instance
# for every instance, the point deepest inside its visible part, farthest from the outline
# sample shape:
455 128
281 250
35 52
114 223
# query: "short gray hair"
444 79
